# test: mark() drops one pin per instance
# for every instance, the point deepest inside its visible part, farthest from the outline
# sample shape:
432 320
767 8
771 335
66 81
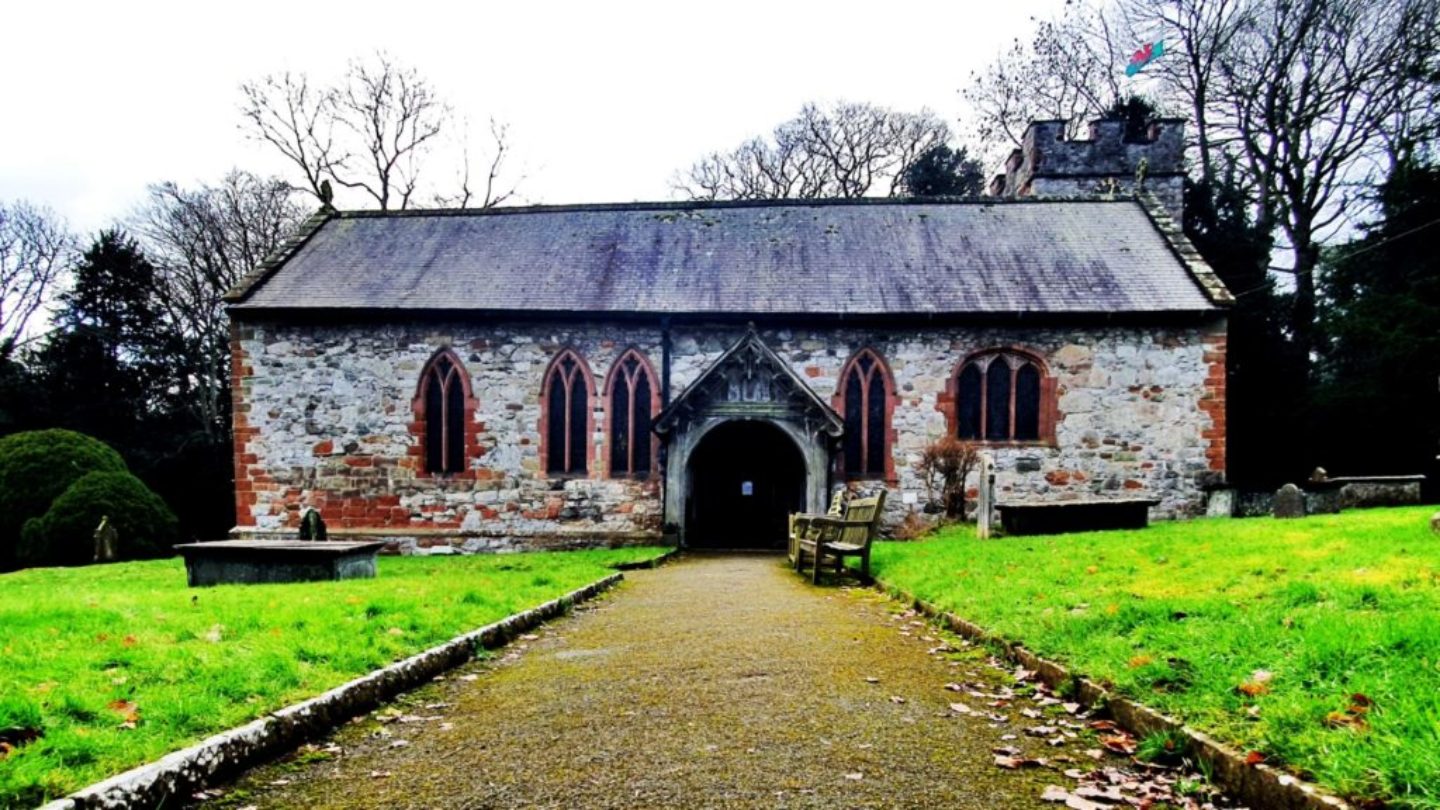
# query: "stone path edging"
1259 785
183 772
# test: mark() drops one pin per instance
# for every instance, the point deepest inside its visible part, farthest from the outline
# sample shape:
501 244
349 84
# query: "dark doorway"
745 480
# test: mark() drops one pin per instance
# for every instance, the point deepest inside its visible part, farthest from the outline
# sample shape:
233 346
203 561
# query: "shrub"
65 535
943 466
35 468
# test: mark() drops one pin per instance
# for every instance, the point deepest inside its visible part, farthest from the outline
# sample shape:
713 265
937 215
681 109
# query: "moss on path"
714 681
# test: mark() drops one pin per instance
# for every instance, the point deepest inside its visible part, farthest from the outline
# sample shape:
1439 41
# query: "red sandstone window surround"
633 400
444 405
865 398
565 415
1003 396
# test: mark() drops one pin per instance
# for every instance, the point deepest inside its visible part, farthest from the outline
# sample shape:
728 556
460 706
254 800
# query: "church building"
565 376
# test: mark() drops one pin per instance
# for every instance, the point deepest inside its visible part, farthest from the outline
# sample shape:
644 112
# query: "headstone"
312 526
1289 502
985 504
1435 523
107 541
1221 503
1318 474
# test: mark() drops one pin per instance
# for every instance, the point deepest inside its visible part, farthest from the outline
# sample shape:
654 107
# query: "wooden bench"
1057 517
833 537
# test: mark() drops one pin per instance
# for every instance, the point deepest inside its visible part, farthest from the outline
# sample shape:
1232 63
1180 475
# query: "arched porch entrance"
746 443
745 478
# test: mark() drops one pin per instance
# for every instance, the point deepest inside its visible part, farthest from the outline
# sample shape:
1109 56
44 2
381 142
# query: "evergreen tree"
102 371
942 171
1265 376
1377 400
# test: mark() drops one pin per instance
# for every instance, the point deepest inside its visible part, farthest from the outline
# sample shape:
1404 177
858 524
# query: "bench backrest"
862 518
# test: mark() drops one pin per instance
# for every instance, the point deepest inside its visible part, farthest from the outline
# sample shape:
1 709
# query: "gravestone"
1289 502
312 526
985 503
1221 503
107 540
1435 523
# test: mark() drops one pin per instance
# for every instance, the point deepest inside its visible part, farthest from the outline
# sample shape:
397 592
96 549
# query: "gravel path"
723 681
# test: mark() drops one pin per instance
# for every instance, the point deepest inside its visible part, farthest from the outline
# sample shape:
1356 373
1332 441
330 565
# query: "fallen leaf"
379 774
1344 720
961 708
855 776
1070 708
1054 793
1015 763
872 679
896 699
129 641
1254 758
1120 744
1139 661
1252 689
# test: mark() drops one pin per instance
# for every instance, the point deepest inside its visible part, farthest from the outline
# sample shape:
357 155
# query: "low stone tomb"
1361 491
229 562
1057 517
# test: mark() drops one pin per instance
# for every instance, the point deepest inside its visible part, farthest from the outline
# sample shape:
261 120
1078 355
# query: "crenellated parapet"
1105 163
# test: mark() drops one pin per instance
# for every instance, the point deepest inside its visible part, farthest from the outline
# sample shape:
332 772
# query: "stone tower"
1046 164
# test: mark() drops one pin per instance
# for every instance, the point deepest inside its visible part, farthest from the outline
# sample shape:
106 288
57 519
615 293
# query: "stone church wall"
324 418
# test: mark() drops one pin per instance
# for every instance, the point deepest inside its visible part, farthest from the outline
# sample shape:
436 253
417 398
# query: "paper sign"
747 488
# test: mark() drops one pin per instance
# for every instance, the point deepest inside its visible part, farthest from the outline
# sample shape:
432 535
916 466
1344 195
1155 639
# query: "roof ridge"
687 205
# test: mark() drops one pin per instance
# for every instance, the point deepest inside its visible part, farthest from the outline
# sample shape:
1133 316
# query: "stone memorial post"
985 504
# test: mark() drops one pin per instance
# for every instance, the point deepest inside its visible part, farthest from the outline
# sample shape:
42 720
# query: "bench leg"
819 560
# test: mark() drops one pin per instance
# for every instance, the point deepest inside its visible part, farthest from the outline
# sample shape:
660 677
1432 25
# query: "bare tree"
373 133
848 150
35 249
1065 72
493 190
1314 98
1311 90
202 241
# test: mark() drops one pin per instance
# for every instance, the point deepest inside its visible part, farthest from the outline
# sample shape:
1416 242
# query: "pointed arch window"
444 405
567 415
1002 396
632 404
866 389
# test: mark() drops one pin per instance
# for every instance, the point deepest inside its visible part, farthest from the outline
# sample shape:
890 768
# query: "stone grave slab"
229 562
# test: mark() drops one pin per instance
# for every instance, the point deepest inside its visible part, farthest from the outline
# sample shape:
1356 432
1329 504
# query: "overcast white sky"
605 100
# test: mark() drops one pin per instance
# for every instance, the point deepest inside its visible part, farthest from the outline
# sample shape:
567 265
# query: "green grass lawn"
117 665
1341 611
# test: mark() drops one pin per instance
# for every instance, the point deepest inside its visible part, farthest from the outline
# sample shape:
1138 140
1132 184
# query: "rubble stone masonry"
325 417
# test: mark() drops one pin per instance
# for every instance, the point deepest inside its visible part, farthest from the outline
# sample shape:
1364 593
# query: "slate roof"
865 257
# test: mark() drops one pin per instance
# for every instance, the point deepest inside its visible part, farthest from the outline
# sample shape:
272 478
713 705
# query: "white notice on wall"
909 498
747 488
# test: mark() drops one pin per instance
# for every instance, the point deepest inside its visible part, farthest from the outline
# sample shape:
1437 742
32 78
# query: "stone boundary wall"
174 777
1258 785
325 418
